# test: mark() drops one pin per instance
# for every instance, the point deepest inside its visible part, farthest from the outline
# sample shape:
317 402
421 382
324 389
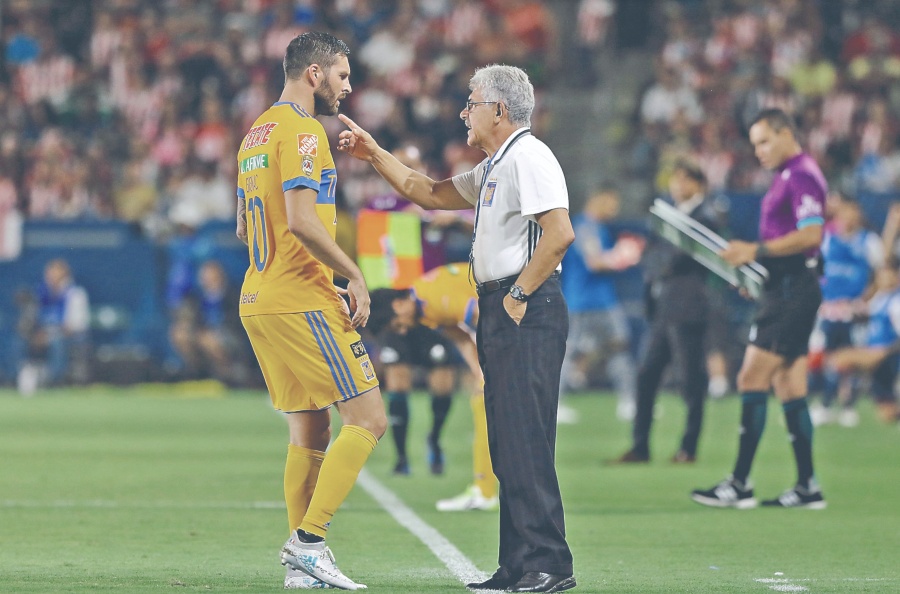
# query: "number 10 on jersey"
260 238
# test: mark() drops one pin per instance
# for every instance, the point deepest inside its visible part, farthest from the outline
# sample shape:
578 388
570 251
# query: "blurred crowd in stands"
834 66
132 109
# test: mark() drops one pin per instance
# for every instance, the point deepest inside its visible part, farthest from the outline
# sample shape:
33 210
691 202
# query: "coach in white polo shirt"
522 231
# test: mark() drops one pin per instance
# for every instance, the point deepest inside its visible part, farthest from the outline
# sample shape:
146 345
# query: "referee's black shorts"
420 346
787 314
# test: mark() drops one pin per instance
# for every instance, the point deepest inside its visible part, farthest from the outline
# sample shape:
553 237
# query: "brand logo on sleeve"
809 207
308 144
258 135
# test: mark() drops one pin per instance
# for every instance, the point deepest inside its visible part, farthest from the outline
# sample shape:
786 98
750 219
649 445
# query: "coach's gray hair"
508 85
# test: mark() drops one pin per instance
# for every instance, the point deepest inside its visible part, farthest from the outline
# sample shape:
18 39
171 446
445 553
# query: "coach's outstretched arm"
412 185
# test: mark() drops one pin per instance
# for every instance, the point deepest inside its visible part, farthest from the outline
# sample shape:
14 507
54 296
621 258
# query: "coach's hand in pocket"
515 309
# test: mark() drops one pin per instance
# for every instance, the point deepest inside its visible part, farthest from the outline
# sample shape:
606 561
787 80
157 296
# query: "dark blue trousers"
521 365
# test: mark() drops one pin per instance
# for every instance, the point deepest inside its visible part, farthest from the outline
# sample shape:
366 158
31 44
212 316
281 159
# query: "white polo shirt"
521 180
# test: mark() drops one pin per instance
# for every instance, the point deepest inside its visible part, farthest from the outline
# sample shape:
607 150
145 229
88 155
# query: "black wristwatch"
517 293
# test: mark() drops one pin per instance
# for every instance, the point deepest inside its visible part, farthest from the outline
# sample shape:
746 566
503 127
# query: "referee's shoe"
728 493
800 497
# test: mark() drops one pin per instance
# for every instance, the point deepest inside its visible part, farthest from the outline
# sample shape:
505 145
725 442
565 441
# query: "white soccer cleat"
315 559
470 499
297 580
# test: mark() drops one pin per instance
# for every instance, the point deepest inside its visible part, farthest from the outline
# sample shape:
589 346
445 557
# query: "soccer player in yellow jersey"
431 325
301 329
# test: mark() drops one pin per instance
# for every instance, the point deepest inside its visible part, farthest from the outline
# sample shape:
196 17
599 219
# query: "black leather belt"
501 283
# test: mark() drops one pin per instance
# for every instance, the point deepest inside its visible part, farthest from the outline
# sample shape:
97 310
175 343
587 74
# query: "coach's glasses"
471 104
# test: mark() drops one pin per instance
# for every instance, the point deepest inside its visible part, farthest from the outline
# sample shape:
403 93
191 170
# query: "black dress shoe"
501 580
538 581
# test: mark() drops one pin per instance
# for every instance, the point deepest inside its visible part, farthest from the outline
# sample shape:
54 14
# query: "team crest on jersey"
489 190
308 144
307 164
367 369
359 349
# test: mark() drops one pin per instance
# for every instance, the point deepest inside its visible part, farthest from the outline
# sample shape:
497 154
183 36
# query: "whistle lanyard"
484 178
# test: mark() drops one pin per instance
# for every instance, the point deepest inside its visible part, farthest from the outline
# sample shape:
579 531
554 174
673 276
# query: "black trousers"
684 342
521 365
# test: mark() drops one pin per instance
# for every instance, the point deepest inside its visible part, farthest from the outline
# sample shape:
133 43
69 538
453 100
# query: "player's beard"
325 101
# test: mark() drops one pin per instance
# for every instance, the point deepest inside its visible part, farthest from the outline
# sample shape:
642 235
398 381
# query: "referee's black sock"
800 428
753 421
398 415
440 408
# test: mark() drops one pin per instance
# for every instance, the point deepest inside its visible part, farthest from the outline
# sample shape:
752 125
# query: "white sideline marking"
458 564
783 585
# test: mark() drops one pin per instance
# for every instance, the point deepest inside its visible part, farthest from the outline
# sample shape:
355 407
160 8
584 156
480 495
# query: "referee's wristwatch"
517 293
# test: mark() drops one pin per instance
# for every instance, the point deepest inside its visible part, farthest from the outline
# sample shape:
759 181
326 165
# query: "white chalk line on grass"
791 585
458 564
783 585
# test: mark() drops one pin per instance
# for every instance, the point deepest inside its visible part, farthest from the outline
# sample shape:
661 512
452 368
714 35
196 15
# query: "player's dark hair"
314 47
777 119
381 310
690 169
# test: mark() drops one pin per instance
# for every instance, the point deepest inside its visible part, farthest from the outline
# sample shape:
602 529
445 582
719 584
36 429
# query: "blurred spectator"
202 196
669 96
206 330
10 218
53 337
136 197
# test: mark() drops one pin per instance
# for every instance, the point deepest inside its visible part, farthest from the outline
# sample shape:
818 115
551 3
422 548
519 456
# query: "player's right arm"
305 224
412 185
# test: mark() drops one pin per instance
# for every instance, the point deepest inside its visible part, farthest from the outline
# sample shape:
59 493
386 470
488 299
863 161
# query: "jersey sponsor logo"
489 190
308 144
247 298
358 348
809 207
255 162
366 366
307 165
258 135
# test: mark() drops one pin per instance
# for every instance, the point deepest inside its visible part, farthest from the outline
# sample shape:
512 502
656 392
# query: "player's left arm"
305 224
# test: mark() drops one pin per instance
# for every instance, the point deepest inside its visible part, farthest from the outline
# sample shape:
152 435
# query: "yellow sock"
301 471
481 452
344 460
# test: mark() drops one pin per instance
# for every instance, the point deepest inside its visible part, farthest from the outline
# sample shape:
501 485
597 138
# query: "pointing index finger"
348 122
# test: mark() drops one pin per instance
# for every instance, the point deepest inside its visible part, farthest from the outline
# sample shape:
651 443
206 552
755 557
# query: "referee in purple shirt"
790 232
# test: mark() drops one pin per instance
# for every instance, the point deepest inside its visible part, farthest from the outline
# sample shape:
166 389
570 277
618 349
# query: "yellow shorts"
310 360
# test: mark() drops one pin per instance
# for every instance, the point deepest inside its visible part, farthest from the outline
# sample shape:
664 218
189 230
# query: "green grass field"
178 488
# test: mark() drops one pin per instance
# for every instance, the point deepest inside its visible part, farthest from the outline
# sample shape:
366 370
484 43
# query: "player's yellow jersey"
286 148
447 297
